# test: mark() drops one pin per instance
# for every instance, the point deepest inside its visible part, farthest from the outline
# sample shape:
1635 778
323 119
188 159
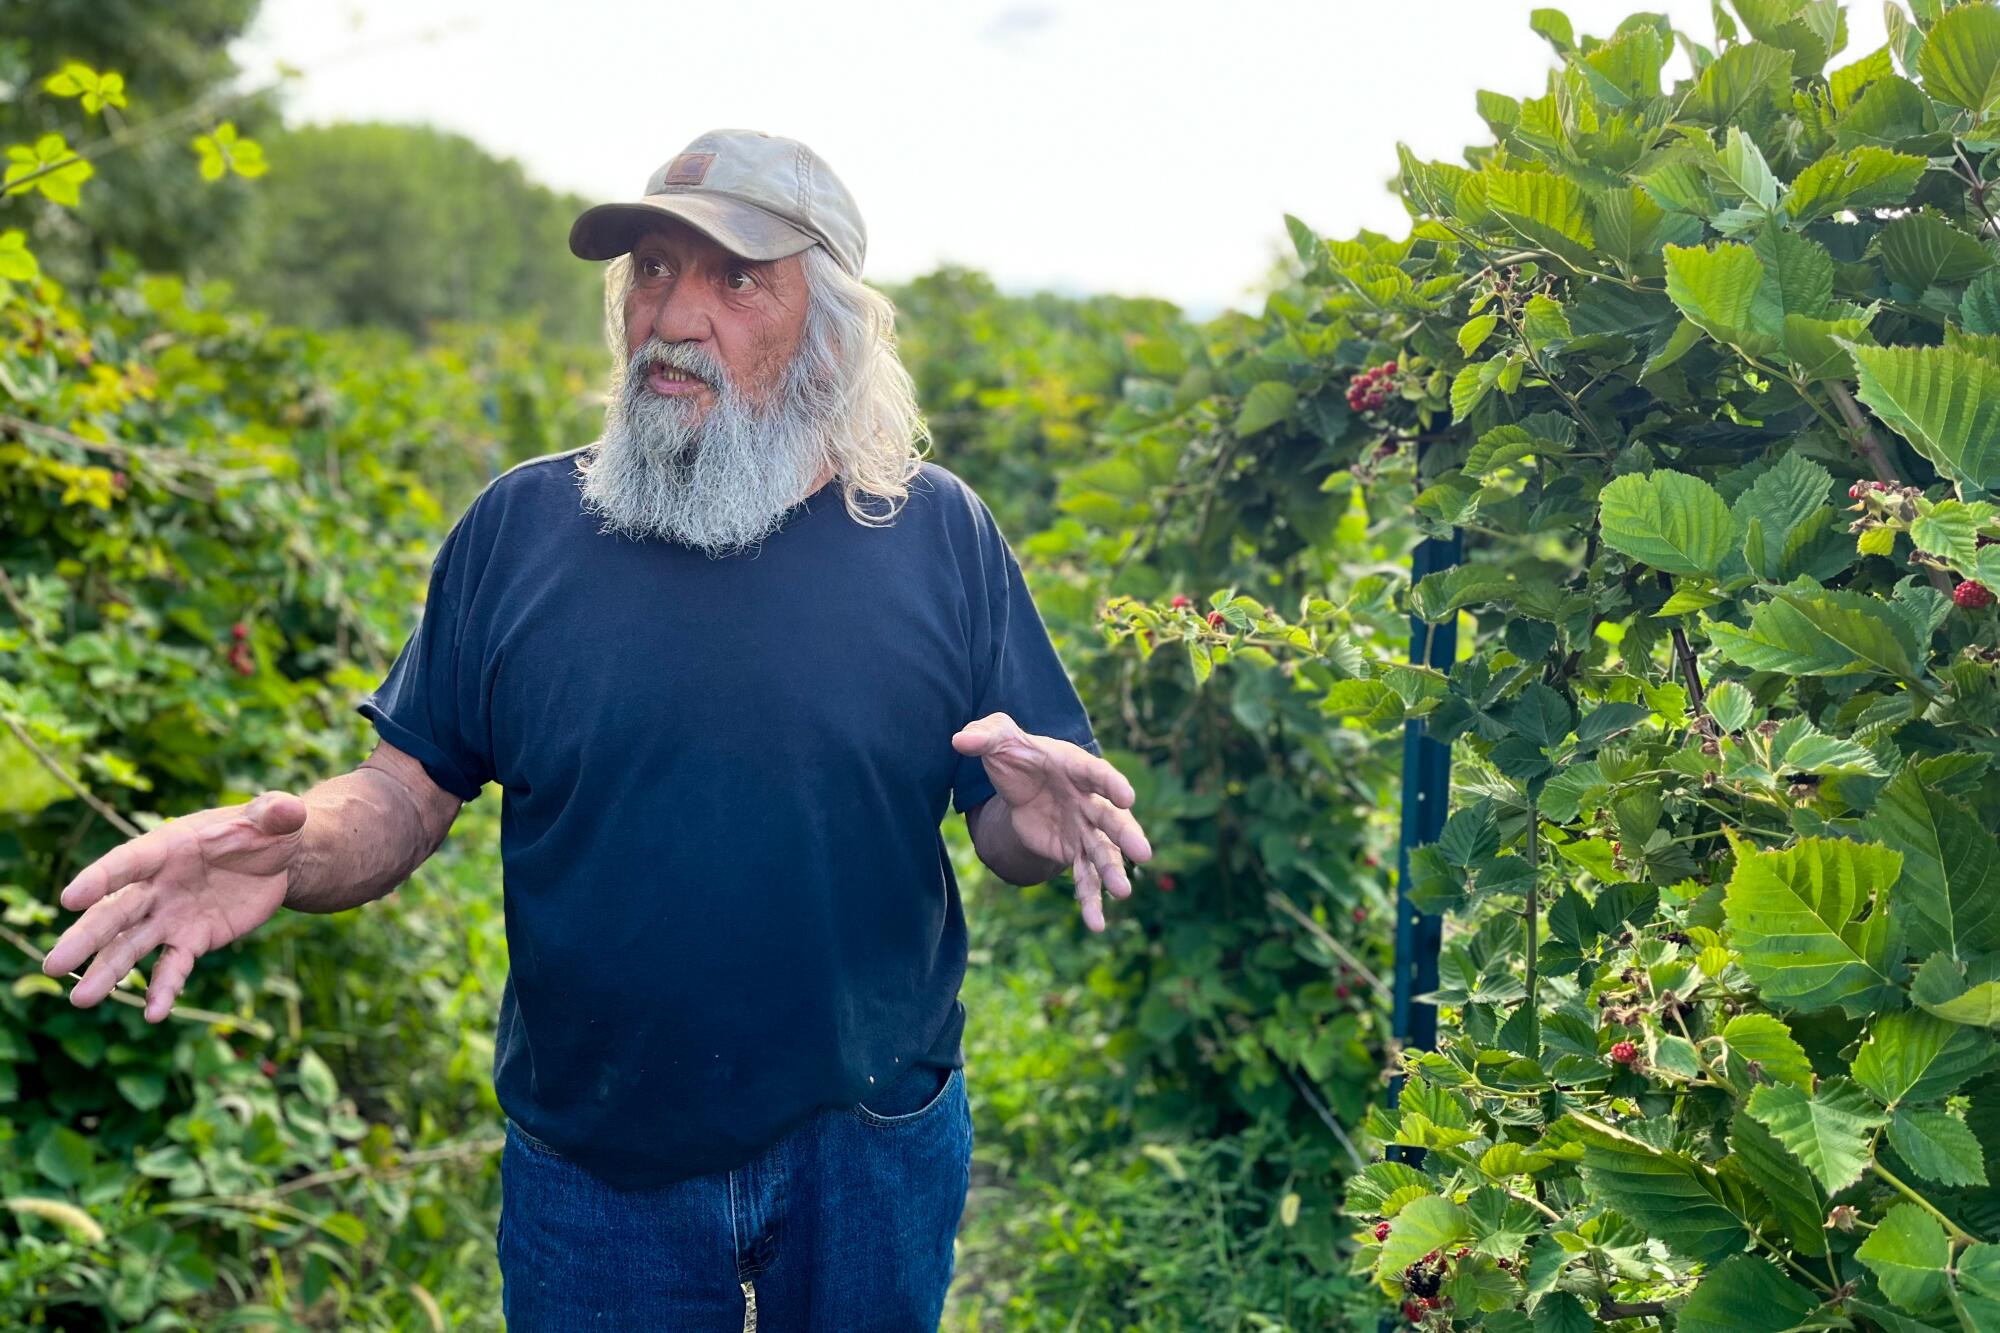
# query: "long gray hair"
849 345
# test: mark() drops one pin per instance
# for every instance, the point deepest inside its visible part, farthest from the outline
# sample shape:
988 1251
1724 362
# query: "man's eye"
652 266
749 280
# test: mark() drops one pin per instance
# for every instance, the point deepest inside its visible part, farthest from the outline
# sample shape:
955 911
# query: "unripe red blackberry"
1167 883
239 630
1973 596
1215 619
1381 1231
1181 601
1624 1052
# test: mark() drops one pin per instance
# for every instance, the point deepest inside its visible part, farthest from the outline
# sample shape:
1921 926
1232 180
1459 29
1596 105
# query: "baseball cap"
758 195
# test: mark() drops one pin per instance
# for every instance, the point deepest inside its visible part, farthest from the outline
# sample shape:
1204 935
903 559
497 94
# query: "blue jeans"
844 1224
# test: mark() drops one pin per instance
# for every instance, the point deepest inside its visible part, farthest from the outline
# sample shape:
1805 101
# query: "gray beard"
719 483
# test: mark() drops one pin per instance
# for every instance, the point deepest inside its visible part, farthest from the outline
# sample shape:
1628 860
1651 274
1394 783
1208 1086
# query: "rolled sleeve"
431 704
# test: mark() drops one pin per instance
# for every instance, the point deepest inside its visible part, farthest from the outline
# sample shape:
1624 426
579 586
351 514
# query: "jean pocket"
927 1110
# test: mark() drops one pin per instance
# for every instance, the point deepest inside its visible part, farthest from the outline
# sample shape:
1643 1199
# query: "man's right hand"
190 886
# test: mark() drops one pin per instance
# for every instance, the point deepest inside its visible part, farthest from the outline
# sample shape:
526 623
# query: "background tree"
400 226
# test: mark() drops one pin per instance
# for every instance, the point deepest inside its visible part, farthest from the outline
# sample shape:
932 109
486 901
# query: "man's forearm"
994 838
364 835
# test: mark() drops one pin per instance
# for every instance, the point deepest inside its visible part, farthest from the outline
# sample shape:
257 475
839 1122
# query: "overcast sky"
1147 147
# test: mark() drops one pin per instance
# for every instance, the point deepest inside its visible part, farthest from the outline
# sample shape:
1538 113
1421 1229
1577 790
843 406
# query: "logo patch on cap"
688 169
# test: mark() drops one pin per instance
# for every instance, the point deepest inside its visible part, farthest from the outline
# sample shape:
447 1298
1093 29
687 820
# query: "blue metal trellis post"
1426 792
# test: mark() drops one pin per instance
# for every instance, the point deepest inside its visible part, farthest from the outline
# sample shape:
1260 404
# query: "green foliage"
190 612
1705 374
400 227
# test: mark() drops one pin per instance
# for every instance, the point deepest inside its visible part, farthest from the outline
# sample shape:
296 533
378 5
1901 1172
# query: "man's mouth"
674 383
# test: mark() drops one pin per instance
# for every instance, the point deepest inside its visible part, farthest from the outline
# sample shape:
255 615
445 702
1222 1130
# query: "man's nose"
680 314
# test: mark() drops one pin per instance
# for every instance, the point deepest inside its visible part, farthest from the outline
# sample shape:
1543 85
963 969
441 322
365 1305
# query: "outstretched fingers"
113 962
124 864
1100 776
1122 829
169 976
104 922
1089 889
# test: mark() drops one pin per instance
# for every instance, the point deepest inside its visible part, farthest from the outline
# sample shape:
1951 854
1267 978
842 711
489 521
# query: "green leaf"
17 263
1960 60
1741 168
1471 384
1893 113
1781 1180
65 1157
316 1081
1736 82
1979 1269
1979 308
1845 84
1542 716
345 1227
1370 1189
1942 987
1669 521
1264 406
1786 517
1950 890
1473 332
1817 348
1745 1294
1423 1225
1944 400
1718 290
1766 1039
1675 1198
1731 705
1949 531
1922 249
1305 241
1553 26
1907 1252
1543 322
1795 917
1828 1130
1544 209
1860 178
144 1089
1911 1056
1201 660
1807 630
1938 1146
1607 720
1562 1312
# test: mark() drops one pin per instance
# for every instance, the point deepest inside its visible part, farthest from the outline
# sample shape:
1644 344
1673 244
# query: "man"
727 664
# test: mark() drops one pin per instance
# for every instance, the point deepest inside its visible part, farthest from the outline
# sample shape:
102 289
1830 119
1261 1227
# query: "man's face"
746 314
724 417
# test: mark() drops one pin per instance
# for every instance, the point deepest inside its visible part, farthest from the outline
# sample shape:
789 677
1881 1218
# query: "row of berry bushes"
1707 372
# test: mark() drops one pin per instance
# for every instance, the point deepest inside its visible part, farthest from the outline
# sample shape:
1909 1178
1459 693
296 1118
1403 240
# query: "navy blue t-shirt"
728 898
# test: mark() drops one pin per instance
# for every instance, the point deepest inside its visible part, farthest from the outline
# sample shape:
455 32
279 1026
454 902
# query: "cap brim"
610 230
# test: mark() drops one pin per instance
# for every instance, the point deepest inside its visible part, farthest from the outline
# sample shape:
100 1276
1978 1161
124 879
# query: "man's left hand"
1063 804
